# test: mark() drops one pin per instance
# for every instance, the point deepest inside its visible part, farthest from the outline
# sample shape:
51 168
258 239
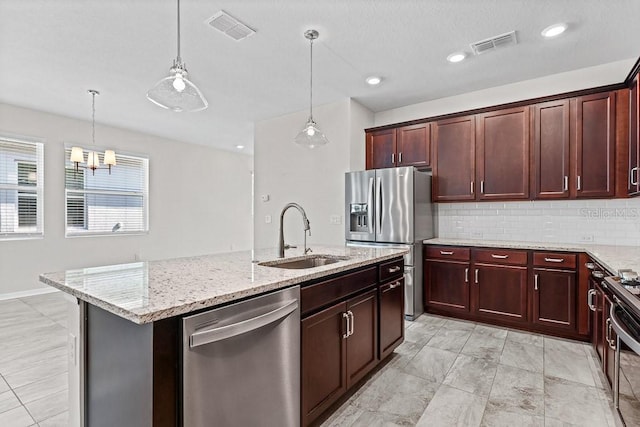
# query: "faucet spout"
305 224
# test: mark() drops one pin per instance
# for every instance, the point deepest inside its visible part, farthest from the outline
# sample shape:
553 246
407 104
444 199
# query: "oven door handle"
621 331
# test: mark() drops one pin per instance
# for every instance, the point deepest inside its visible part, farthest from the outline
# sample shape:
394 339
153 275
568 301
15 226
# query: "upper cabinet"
502 154
634 140
595 145
454 159
402 146
550 150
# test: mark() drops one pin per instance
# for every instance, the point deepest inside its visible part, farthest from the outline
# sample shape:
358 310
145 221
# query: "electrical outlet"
267 219
72 349
586 238
264 197
335 219
476 234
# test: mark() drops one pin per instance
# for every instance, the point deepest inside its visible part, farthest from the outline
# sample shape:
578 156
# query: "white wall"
585 78
199 201
313 178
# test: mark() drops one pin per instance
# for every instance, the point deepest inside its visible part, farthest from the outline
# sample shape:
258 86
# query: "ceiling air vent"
230 26
495 42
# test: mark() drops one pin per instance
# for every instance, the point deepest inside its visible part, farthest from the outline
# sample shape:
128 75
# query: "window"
99 203
21 184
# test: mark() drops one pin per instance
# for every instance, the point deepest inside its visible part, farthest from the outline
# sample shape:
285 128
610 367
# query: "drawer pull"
394 285
393 269
554 259
446 252
499 256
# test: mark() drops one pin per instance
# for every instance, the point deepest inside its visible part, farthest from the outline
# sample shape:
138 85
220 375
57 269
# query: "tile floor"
455 373
446 373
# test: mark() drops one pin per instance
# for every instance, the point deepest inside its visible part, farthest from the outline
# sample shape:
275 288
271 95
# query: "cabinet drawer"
554 259
323 293
500 256
447 252
392 269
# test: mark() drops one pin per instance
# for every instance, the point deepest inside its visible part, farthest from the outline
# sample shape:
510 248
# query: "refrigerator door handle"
370 204
379 204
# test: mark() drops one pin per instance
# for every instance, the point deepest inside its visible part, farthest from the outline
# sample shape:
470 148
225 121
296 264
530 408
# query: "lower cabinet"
391 296
554 298
526 289
349 324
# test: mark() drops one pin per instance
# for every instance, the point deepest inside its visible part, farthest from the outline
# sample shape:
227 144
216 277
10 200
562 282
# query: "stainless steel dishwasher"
241 363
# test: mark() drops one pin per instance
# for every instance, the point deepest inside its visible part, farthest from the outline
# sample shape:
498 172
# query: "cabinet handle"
499 256
610 341
482 187
597 274
554 259
446 252
590 303
393 158
393 269
471 187
353 323
631 176
400 157
394 285
466 275
476 275
590 265
565 187
535 282
579 183
346 316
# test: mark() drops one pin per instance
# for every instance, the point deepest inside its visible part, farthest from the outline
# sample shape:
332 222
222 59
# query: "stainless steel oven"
623 335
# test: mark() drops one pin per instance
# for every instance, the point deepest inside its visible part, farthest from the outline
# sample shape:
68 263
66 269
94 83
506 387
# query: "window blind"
99 203
21 188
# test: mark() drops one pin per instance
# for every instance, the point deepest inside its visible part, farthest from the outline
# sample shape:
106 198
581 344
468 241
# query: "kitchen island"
125 341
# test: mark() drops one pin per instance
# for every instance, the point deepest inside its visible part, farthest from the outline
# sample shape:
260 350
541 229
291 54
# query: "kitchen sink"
308 261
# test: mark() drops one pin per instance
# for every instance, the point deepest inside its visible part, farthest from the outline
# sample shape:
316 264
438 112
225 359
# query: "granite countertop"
611 257
144 292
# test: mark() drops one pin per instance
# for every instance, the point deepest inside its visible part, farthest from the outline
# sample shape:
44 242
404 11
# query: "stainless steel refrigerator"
392 208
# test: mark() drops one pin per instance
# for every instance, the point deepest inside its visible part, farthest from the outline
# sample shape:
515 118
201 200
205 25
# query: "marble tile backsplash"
608 222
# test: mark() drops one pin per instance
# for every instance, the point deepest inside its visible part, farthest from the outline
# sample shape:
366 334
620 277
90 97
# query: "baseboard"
29 293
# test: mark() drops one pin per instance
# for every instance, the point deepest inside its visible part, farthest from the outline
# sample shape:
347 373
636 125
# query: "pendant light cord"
93 117
179 59
311 83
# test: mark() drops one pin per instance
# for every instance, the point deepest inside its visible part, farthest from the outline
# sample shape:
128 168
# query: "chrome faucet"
305 222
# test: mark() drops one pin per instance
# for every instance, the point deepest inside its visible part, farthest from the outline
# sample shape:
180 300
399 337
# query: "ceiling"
53 51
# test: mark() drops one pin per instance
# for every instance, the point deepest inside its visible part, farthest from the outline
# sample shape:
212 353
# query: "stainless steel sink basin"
308 261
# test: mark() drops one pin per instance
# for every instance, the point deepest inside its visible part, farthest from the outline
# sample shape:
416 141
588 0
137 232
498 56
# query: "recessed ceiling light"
239 147
554 30
456 57
373 80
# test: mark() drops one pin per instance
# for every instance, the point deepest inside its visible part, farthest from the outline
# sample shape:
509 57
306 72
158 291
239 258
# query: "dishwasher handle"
211 335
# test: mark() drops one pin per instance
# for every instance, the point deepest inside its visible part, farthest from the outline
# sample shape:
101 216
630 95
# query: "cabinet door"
554 298
362 344
502 156
550 175
454 159
447 285
414 145
391 316
500 292
595 145
381 149
634 139
323 355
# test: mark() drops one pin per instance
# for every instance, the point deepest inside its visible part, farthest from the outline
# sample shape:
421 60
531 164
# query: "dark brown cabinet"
391 297
499 289
594 134
362 339
446 279
402 146
633 179
454 142
502 154
554 298
550 147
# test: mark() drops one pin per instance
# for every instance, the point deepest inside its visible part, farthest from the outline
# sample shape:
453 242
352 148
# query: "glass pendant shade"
109 158
176 92
93 161
77 155
311 136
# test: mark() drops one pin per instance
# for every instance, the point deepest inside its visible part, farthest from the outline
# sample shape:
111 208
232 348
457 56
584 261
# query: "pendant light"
176 92
93 159
310 136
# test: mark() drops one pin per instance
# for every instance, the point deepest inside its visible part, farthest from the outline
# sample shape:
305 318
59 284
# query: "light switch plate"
335 219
